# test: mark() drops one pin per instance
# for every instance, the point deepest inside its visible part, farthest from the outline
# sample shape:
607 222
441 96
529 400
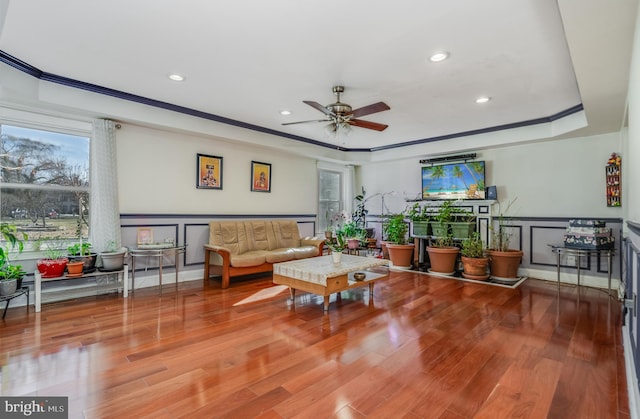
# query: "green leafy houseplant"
396 229
474 259
473 247
79 249
13 240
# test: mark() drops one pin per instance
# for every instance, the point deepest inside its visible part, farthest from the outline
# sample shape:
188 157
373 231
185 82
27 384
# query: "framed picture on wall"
260 177
209 172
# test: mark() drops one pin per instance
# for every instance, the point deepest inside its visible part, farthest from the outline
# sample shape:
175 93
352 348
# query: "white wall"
157 175
561 178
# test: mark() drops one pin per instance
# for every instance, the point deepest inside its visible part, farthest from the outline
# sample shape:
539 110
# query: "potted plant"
10 275
503 261
419 217
474 259
462 223
337 246
400 253
112 258
440 221
353 234
443 255
54 262
82 252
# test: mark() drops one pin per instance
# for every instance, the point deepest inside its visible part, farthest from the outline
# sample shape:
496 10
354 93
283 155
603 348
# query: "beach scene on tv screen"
454 181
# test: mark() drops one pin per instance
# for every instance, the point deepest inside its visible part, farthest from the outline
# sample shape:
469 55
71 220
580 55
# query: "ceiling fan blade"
368 124
373 108
304 122
319 107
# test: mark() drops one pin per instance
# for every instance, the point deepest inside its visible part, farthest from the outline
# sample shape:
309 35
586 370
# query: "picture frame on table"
260 177
209 172
144 235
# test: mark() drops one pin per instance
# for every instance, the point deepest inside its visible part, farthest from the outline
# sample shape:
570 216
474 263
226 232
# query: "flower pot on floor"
475 268
504 264
401 255
443 259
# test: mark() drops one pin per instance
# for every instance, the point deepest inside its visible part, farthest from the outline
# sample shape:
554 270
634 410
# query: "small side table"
578 253
22 291
158 252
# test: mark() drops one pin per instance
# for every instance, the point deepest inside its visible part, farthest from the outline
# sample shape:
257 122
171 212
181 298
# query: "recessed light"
483 99
176 77
285 112
439 56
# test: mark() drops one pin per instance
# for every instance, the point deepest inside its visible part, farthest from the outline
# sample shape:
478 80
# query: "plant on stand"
10 275
419 217
112 258
503 261
400 253
474 258
54 262
353 234
440 221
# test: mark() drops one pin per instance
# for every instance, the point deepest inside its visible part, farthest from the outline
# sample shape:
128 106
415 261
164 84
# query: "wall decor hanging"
209 172
613 178
260 177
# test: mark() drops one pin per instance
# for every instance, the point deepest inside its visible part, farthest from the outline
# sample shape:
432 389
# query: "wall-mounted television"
454 181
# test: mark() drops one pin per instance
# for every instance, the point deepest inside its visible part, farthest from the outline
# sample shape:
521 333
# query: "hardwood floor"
425 347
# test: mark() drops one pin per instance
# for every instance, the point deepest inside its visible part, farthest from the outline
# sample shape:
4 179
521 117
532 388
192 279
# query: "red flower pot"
52 268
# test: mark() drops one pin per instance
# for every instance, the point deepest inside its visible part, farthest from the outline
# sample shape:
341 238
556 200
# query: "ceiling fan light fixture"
438 56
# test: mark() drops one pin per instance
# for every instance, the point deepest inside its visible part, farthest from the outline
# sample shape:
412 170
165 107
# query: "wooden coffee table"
321 276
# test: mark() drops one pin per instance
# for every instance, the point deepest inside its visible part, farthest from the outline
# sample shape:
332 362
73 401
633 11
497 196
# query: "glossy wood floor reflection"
425 347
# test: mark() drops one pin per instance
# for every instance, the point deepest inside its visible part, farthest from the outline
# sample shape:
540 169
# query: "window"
44 188
330 196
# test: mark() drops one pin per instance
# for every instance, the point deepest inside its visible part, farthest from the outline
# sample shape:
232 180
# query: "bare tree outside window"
44 187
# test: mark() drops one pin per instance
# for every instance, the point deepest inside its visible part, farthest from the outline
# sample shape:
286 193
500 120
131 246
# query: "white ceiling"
248 60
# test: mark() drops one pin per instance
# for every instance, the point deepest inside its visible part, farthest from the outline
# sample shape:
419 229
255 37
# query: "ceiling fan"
341 116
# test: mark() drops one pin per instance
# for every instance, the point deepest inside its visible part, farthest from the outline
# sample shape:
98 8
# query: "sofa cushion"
286 234
281 255
305 252
254 258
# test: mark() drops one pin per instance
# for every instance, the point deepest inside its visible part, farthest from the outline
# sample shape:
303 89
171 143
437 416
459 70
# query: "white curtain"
104 224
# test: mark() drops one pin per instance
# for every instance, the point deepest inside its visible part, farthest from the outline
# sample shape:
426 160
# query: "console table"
17 293
66 293
159 252
579 253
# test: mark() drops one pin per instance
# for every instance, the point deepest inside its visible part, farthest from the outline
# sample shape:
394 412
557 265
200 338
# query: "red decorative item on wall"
613 178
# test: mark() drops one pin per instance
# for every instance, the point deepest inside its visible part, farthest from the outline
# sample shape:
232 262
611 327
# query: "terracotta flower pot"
475 268
75 268
401 255
443 259
504 264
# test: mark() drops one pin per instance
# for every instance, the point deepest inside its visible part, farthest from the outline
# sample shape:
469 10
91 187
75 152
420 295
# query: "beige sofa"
244 247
